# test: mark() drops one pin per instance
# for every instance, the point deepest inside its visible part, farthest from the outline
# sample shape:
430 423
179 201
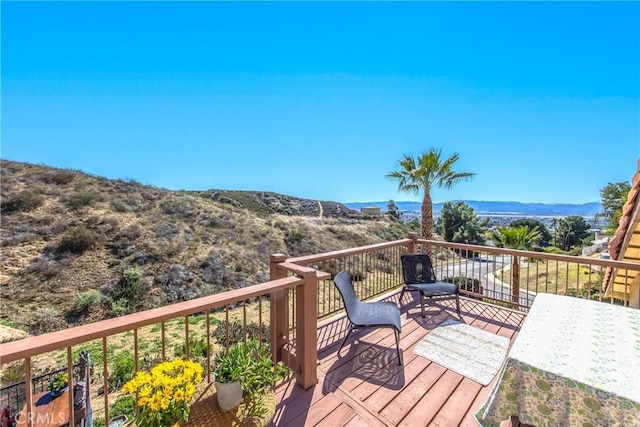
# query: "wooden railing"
374 269
299 295
482 272
487 272
219 309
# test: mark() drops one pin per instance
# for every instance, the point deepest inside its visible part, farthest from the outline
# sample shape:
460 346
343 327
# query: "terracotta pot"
229 395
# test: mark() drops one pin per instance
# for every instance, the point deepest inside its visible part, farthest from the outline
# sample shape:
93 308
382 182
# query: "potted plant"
229 368
59 384
246 367
163 395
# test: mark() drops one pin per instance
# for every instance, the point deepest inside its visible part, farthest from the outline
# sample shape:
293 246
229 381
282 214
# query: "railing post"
412 247
307 330
278 308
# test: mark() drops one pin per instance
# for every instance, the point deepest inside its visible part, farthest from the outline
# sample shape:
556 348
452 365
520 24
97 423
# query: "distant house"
370 210
625 246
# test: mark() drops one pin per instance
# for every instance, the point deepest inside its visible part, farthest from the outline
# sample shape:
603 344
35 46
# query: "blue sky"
320 100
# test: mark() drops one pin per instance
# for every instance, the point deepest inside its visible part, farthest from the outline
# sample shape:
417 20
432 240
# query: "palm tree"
423 173
516 238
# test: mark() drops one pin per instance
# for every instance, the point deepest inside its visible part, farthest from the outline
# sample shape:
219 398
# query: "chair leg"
458 303
422 302
398 346
351 328
401 295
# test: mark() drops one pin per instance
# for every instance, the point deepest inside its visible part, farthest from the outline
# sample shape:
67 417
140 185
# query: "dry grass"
557 277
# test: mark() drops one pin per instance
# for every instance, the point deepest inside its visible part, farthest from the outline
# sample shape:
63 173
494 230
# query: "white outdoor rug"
469 351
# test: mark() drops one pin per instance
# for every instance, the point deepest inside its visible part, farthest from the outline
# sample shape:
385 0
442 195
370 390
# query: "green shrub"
24 201
251 365
60 381
59 177
197 348
554 250
132 279
236 332
196 319
78 240
80 200
99 422
119 306
94 350
122 370
296 234
85 300
12 373
124 405
127 293
575 251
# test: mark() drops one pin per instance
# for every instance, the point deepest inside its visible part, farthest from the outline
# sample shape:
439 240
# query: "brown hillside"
79 248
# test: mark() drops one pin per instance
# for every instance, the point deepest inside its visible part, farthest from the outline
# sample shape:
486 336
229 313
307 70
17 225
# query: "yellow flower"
165 393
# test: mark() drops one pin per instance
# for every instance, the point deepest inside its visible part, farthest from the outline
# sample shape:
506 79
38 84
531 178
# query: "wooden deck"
365 386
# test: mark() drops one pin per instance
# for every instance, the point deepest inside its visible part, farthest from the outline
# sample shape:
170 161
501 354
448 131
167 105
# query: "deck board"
339 417
365 386
430 404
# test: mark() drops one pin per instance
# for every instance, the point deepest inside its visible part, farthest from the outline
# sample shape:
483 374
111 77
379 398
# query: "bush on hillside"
130 284
24 201
80 199
46 268
59 177
177 284
124 243
85 300
78 240
43 320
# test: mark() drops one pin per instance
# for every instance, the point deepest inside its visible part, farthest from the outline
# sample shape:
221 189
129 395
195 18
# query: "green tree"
571 231
423 173
459 224
392 210
516 238
614 196
530 223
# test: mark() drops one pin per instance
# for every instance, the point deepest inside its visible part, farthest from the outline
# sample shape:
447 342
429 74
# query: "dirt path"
320 206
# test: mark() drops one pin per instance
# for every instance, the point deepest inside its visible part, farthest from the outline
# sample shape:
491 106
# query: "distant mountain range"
499 208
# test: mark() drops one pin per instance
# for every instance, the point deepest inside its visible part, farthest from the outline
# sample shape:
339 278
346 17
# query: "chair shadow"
372 363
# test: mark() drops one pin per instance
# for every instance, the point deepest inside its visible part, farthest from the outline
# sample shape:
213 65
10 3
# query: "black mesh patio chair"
361 315
418 275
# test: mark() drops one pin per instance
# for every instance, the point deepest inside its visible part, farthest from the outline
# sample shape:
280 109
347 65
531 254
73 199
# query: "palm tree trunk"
427 216
515 279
